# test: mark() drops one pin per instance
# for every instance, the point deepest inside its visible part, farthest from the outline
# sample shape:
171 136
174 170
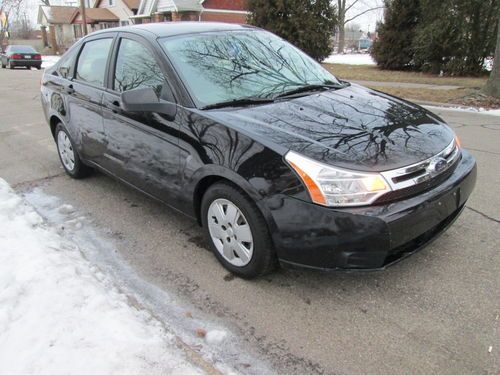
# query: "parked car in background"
21 56
275 157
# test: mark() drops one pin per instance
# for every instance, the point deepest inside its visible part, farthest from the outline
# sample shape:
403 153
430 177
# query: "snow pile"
480 111
60 315
351 59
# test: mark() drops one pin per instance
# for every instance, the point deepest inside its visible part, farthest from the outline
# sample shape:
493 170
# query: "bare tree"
7 7
343 7
21 27
493 86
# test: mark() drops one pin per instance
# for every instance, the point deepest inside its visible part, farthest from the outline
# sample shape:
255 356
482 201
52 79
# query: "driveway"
436 312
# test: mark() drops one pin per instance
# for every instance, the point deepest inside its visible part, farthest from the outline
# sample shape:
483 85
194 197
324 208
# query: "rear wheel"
237 232
68 155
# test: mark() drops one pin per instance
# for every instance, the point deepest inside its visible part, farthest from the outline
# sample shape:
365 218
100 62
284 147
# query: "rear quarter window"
66 65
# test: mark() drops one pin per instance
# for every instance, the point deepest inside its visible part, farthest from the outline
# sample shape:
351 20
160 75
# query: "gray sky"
369 20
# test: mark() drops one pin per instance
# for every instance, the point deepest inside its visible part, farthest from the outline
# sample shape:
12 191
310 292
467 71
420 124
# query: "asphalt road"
436 312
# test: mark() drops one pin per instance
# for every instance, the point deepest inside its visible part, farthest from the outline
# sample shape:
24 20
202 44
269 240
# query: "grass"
372 73
428 95
465 97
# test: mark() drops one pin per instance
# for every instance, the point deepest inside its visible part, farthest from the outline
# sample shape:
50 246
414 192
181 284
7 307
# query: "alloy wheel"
230 232
66 151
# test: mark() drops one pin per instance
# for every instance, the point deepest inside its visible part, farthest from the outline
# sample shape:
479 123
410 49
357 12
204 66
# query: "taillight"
38 57
16 57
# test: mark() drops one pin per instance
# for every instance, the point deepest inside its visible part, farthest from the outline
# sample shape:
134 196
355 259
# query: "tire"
71 162
262 259
38 67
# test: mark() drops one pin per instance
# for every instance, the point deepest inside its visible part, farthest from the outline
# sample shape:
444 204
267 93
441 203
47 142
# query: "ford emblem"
437 166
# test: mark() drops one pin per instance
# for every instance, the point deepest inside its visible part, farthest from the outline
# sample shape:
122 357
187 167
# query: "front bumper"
369 238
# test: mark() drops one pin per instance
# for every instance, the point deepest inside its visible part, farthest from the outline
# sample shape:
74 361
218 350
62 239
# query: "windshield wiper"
239 102
309 88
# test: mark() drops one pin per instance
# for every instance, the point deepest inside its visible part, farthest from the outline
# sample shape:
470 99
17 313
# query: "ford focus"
278 160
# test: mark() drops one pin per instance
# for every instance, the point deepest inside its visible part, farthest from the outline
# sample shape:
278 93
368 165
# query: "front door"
142 148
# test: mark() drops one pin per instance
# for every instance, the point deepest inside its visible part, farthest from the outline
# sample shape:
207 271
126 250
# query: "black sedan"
277 159
20 55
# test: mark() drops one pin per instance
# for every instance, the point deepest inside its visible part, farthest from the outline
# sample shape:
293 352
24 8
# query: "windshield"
223 67
22 49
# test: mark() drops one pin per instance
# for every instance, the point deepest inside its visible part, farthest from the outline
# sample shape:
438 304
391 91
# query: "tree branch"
350 6
360 14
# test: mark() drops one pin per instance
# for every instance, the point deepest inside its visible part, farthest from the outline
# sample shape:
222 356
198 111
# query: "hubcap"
230 232
66 150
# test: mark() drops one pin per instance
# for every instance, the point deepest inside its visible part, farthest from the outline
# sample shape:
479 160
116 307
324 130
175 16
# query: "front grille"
417 178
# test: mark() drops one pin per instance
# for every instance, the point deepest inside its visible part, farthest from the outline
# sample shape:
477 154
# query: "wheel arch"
53 121
214 174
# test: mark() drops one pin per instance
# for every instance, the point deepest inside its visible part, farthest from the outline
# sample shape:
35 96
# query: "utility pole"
84 17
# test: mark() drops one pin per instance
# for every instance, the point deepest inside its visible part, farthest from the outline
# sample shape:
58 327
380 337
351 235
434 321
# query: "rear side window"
136 67
92 61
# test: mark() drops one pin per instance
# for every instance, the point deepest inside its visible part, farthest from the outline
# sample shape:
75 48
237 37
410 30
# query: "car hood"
354 127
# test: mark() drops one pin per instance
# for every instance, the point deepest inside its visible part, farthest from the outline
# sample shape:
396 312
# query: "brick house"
97 19
231 11
62 25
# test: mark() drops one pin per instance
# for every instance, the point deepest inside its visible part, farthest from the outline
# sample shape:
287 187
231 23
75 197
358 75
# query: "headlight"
331 186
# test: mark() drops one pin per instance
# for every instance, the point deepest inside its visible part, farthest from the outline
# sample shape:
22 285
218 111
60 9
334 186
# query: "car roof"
165 29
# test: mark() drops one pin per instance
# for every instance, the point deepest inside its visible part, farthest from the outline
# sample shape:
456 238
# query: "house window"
124 23
111 3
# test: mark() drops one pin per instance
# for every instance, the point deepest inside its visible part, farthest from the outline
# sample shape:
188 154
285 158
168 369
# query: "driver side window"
136 67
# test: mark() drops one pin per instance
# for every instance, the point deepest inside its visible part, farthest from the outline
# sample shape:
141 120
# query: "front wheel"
237 231
68 155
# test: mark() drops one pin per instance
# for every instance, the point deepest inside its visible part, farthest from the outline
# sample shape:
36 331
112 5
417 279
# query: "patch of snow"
215 336
49 60
66 209
99 247
351 59
481 111
488 63
61 315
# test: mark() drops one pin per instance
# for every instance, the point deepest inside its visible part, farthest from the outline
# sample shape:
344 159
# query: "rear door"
142 148
84 96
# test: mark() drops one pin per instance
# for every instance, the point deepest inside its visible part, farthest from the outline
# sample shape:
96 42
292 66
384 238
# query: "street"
436 312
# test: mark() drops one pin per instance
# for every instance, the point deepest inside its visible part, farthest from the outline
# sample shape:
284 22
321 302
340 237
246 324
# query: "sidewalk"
407 85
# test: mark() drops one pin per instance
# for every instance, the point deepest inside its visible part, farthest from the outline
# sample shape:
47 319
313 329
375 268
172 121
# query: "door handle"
70 90
114 106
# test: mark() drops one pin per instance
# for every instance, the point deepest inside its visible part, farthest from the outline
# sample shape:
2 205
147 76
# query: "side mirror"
64 70
146 100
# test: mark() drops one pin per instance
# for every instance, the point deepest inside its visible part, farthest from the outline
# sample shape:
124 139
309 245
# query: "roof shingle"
59 14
